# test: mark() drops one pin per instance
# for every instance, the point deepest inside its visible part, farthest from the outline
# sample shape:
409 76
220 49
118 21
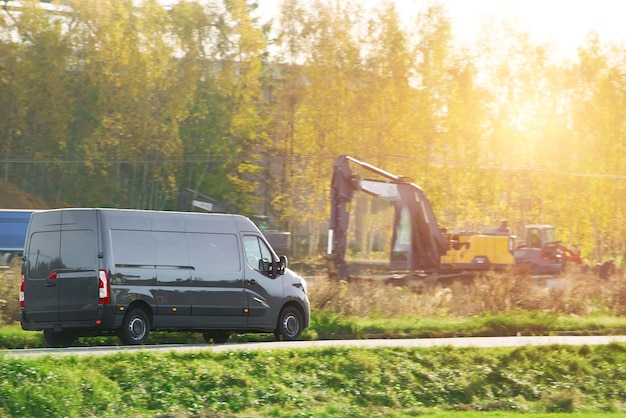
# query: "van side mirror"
283 264
264 266
273 268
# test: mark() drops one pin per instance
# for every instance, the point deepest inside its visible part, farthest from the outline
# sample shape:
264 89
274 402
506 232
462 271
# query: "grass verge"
389 382
329 325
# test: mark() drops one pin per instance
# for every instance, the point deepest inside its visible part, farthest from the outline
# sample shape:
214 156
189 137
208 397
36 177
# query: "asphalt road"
484 342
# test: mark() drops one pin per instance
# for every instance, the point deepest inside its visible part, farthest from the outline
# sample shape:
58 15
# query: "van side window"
213 252
43 254
255 250
133 252
170 248
78 250
133 247
171 258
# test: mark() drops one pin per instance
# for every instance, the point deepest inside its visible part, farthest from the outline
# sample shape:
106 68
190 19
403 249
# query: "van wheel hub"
137 328
291 325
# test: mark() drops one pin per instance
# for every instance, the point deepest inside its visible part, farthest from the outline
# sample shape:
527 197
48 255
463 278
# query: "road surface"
484 342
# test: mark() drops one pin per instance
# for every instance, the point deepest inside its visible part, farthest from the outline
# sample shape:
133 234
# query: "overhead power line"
330 158
505 167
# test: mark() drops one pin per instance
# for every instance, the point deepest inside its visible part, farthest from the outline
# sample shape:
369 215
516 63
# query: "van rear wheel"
58 339
135 327
290 324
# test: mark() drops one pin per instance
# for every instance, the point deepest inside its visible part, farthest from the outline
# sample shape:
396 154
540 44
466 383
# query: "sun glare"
565 23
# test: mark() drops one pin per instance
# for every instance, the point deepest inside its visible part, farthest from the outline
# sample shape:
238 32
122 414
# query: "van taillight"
22 292
104 294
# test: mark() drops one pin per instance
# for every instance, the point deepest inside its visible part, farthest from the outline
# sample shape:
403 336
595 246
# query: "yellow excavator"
418 243
490 249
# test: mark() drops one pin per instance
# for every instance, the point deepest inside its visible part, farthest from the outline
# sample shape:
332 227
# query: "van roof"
169 220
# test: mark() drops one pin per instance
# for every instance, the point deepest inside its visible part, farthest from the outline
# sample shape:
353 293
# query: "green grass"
489 414
324 382
329 325
334 325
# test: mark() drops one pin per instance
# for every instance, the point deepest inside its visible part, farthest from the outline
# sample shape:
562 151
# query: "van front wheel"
289 325
135 327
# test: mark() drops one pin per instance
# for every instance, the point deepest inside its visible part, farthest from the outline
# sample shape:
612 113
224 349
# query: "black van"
103 271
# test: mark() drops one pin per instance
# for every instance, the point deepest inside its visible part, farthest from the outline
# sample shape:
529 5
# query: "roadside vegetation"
326 382
390 382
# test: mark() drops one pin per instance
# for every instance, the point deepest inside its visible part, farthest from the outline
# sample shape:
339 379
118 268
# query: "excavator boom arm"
417 241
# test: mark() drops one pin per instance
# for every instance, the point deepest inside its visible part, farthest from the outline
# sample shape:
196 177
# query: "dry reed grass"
575 293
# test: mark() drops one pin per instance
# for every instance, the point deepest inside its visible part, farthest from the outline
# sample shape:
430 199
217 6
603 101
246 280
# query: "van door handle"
51 283
252 282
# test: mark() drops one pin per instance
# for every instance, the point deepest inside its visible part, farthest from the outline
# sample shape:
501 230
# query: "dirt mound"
11 197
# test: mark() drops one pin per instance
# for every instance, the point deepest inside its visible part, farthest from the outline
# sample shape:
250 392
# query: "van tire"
290 324
58 339
135 327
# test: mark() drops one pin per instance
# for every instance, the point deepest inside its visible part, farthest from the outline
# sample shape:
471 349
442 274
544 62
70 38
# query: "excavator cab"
537 236
541 253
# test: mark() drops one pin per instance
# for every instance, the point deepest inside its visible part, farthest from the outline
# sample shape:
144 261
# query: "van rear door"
78 270
61 269
41 290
